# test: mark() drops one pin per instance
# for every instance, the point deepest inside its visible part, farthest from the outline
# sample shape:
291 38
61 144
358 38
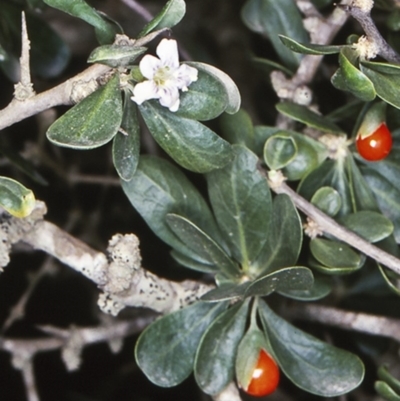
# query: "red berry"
265 377
375 146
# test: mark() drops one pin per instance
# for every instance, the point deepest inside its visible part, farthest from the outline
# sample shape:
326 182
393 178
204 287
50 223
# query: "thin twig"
370 29
348 320
331 227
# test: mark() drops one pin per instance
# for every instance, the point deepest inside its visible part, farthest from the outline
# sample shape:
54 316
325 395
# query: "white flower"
165 77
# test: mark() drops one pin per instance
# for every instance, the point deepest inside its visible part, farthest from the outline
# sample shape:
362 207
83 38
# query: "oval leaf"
226 291
334 254
279 151
241 201
159 188
312 365
232 91
284 238
166 349
386 80
328 200
290 278
193 264
371 226
105 30
202 244
204 100
92 122
15 198
247 355
116 55
188 142
215 359
356 82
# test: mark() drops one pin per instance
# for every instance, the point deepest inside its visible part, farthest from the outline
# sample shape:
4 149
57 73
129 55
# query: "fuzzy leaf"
284 238
202 244
311 364
165 351
15 198
105 30
190 143
126 146
116 55
215 358
204 100
241 201
231 90
92 122
290 278
159 188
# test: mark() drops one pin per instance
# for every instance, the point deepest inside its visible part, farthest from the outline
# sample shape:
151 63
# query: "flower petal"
169 97
149 65
144 91
167 50
184 76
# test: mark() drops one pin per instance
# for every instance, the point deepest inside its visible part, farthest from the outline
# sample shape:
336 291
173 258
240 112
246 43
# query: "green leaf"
308 48
215 359
105 30
204 100
202 244
226 292
116 55
371 226
321 288
290 278
284 238
241 201
385 391
357 83
386 80
193 264
190 143
165 351
92 122
159 188
169 16
329 174
362 195
310 154
15 198
247 355
126 146
232 91
328 200
303 114
309 363
271 18
238 129
387 196
338 256
279 151
384 375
